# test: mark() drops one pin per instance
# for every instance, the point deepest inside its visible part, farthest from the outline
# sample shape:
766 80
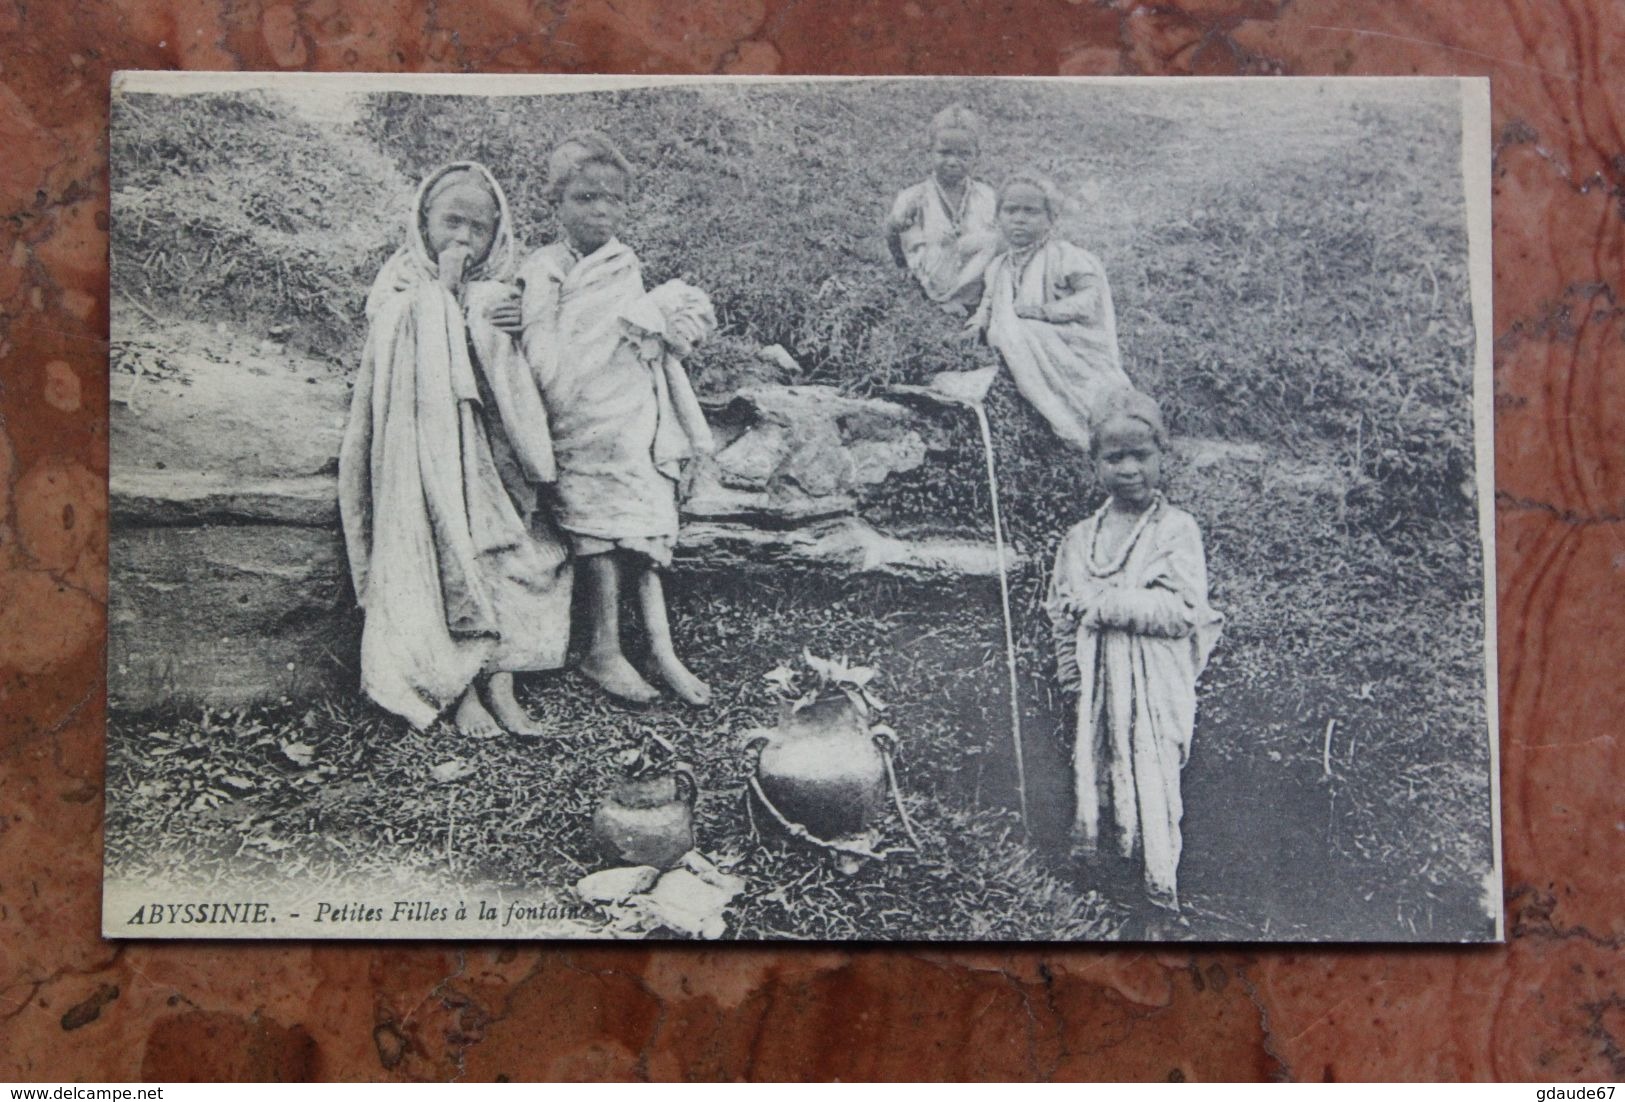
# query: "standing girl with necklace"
1133 631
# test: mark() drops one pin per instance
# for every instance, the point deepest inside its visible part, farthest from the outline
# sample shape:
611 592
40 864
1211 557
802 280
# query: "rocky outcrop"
846 544
226 613
228 575
796 469
229 580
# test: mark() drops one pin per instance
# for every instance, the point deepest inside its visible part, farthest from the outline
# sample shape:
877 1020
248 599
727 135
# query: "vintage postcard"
831 509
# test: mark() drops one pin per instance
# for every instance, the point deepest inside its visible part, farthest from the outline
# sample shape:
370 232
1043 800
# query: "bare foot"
615 675
1165 925
472 718
682 680
509 712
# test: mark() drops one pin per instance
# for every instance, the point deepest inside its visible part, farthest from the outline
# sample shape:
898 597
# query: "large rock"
791 454
846 545
229 577
229 613
229 582
795 471
204 399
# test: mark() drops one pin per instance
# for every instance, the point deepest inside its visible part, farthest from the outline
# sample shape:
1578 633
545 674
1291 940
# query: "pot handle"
688 788
884 737
752 741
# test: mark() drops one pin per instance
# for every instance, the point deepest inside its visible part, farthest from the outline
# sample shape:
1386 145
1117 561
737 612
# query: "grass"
1287 274
294 789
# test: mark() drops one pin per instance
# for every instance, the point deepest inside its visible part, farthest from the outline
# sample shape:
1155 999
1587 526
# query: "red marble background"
1548 1006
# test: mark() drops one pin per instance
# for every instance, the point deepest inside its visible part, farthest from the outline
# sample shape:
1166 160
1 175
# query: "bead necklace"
1021 259
956 215
1128 544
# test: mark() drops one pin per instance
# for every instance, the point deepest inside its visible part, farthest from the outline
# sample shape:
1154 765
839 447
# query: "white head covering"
500 259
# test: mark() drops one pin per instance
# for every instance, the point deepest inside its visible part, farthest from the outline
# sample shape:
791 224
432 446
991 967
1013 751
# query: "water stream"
975 405
1004 601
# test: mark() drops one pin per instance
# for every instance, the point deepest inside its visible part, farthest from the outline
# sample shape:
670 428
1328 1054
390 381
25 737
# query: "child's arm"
1083 293
1166 606
1152 611
894 244
904 214
975 330
504 313
539 313
450 264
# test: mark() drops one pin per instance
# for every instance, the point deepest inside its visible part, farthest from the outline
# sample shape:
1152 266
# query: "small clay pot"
822 769
648 820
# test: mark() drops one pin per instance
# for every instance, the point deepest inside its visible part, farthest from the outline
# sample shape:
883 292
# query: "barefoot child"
452 578
623 416
942 229
1133 630
1047 310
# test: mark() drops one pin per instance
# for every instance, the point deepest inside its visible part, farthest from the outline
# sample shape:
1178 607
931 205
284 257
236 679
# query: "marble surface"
1549 1005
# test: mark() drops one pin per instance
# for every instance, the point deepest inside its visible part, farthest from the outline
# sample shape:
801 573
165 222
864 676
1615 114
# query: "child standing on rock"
606 357
1133 631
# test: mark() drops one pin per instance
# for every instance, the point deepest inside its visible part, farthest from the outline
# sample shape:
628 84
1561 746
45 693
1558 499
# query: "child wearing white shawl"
1047 310
606 356
458 576
942 229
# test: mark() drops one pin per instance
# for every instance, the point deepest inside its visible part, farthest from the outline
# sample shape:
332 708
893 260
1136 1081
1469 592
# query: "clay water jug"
648 820
821 768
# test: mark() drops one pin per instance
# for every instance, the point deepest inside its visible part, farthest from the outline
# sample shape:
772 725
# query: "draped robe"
622 425
1135 679
1066 364
947 248
455 570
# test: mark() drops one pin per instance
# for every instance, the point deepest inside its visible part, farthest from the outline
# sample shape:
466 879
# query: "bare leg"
652 600
472 718
604 663
508 711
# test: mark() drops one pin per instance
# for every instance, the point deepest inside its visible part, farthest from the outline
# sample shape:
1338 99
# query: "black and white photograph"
832 509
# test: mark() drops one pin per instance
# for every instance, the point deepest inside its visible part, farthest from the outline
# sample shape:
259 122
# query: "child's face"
593 206
464 215
1024 215
953 152
1128 461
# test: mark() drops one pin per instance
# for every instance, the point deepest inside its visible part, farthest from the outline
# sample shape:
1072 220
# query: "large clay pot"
647 820
821 768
